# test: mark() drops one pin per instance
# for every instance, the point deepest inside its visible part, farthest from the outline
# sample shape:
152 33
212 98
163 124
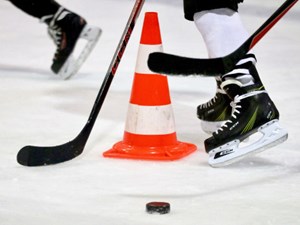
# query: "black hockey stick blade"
39 156
165 63
43 155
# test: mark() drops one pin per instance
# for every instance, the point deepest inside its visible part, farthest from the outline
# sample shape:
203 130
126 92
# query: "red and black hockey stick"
164 63
37 156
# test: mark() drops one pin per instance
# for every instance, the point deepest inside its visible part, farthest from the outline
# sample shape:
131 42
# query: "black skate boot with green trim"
253 112
214 112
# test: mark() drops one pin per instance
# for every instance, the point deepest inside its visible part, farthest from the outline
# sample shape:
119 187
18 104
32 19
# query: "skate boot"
253 113
66 29
216 111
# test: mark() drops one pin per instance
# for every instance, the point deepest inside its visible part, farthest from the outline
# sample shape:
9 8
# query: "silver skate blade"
272 135
90 35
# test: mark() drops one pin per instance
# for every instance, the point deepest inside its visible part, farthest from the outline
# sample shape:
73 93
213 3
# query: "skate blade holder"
266 136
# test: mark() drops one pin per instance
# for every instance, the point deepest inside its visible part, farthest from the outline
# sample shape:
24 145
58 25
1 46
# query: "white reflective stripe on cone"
150 120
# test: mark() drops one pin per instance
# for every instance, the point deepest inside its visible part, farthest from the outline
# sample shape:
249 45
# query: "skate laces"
54 30
209 103
235 110
56 34
212 101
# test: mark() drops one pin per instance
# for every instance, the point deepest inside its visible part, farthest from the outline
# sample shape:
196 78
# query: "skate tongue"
266 136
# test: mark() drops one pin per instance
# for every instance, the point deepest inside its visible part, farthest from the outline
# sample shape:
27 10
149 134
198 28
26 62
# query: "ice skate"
253 113
67 29
215 112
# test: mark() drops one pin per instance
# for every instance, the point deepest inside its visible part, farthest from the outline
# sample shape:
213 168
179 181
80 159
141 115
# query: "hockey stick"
178 65
37 156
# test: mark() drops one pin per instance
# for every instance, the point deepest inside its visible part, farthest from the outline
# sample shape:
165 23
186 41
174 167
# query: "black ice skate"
66 29
215 112
253 113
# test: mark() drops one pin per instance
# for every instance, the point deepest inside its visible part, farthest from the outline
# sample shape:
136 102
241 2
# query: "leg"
215 19
253 111
37 8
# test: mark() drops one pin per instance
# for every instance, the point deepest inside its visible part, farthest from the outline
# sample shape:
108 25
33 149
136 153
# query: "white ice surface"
37 108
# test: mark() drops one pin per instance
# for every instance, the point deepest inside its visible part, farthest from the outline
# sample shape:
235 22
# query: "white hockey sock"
221 29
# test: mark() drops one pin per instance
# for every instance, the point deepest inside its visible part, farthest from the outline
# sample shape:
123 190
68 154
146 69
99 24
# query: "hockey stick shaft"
178 65
115 61
37 156
255 37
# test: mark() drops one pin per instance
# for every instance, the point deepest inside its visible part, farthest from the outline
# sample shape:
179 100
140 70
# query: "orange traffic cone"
150 128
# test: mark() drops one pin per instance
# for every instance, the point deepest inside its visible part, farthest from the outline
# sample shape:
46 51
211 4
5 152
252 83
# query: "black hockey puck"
158 207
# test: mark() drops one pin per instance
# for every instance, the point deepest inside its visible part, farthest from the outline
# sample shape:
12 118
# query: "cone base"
171 152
